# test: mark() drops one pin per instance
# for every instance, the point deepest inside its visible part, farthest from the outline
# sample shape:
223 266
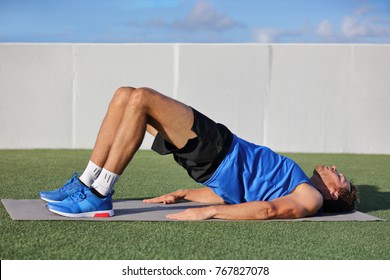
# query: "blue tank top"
251 172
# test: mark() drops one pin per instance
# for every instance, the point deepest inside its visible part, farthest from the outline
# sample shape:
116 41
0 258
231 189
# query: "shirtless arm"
304 201
203 195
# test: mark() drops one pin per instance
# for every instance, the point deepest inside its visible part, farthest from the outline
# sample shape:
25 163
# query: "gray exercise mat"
136 210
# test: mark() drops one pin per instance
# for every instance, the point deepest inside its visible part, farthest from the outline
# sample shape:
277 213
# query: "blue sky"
195 21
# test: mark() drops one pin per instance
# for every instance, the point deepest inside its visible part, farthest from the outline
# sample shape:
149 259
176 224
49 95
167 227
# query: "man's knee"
126 97
122 96
140 97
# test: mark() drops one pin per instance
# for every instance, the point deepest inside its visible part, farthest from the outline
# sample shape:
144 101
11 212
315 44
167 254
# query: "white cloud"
361 11
324 29
265 35
272 35
354 26
204 16
362 25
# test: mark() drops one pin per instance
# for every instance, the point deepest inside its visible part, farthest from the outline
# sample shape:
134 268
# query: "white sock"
105 182
91 173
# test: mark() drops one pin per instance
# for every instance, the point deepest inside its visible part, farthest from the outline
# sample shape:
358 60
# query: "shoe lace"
77 197
69 184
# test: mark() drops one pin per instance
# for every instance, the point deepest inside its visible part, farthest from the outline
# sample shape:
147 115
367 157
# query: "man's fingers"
166 199
153 200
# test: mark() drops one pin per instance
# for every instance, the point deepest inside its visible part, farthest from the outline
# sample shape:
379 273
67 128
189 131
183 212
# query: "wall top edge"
197 44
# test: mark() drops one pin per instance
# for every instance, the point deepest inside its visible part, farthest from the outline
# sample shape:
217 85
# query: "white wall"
293 98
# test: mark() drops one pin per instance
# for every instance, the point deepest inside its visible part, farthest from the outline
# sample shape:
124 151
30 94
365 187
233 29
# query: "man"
243 180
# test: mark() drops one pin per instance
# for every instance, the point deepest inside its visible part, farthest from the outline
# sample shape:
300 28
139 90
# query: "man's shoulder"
309 196
306 189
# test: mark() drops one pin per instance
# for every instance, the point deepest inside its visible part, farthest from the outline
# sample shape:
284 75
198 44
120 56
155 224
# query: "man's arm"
203 195
304 201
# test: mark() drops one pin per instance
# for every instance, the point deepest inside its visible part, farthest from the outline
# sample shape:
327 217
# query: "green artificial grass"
23 173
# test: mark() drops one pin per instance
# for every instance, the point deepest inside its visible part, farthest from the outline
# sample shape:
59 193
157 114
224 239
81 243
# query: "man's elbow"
267 213
302 212
286 213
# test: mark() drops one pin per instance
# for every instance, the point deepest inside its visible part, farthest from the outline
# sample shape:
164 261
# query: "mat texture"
136 210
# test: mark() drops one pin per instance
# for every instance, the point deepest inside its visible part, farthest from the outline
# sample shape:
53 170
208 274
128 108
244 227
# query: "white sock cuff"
90 174
105 182
109 177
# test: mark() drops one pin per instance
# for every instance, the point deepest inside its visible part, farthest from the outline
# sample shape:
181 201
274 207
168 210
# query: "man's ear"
334 196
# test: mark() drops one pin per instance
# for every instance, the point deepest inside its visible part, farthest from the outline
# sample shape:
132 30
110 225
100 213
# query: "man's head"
340 194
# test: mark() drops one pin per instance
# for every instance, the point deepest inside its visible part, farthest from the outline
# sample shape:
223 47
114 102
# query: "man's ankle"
98 194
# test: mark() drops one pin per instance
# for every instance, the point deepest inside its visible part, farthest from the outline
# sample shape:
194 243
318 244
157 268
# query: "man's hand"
193 214
169 198
203 195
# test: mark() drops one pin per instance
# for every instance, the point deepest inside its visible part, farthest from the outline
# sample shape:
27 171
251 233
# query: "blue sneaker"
84 204
71 186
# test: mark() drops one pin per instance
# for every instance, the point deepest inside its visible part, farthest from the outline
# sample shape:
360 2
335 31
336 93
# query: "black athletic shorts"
201 155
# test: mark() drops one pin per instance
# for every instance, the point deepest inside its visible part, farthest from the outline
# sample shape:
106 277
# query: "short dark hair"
346 202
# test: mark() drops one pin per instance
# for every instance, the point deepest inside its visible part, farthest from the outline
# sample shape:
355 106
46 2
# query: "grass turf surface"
23 173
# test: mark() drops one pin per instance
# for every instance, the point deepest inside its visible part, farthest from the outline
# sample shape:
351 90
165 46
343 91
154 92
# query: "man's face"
333 180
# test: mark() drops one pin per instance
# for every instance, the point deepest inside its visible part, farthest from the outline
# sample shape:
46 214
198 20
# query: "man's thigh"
172 118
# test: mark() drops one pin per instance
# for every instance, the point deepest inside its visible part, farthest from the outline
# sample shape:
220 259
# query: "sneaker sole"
94 214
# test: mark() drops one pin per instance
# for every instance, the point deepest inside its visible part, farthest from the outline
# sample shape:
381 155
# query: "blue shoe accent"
71 186
84 204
